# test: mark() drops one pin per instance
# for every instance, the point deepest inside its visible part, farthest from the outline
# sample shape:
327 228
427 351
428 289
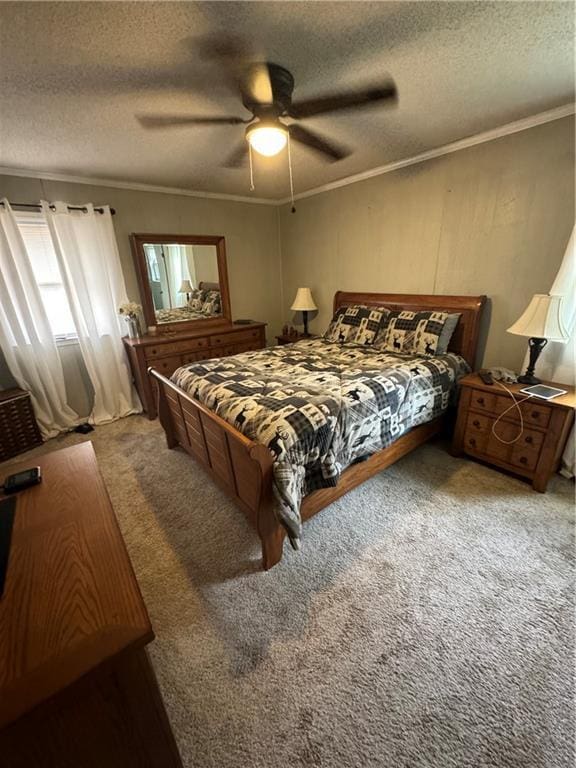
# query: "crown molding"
133 186
470 141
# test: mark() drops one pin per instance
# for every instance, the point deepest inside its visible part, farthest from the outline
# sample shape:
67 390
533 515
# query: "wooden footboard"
240 466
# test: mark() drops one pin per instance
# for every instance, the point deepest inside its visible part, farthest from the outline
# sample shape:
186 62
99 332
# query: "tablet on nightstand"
543 392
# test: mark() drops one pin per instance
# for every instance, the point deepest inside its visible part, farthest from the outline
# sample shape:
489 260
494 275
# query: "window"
36 236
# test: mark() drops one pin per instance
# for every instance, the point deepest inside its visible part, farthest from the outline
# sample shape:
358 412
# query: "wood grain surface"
71 600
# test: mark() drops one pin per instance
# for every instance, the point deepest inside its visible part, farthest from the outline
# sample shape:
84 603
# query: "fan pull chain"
251 168
293 209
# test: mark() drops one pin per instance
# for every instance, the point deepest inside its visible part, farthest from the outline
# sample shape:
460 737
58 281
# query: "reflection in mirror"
184 281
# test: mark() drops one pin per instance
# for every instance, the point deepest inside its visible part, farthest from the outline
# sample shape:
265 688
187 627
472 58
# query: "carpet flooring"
426 622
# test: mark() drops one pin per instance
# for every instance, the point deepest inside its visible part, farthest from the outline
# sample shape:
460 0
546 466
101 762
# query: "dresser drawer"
172 348
194 357
235 337
167 365
249 346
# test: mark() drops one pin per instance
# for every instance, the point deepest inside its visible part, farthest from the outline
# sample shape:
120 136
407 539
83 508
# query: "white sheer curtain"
558 361
178 270
26 337
89 262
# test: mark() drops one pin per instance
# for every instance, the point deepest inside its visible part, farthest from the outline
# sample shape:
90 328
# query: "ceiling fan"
266 91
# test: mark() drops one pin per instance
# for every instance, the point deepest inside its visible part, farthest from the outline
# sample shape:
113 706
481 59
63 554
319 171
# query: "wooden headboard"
203 285
465 339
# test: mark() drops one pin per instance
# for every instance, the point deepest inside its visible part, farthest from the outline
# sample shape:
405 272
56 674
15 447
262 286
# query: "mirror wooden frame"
137 242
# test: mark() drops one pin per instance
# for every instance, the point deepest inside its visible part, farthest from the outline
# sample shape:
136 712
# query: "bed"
186 312
348 412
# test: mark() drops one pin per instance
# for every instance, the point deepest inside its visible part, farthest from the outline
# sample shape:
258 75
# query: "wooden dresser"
536 453
76 685
168 351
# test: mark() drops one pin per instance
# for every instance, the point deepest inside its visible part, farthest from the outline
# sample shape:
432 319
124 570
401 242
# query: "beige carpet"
427 621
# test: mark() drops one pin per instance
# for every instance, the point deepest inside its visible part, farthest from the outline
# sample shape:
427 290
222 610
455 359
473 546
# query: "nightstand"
291 339
536 454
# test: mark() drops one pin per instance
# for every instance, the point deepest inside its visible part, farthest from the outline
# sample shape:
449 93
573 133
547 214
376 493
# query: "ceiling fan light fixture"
267 140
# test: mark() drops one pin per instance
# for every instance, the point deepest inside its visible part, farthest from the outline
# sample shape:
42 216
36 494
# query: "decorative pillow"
197 299
447 333
356 325
212 304
415 333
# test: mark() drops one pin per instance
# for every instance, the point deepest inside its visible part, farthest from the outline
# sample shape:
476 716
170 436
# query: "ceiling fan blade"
256 84
239 62
177 121
238 156
337 102
328 149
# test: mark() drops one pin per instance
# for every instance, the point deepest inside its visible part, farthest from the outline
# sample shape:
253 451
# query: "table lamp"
542 322
186 287
304 303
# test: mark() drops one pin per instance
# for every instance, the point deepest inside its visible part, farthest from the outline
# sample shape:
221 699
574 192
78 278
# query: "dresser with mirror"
184 288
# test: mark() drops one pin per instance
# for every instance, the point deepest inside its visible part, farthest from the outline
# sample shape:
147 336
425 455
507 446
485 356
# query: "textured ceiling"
73 75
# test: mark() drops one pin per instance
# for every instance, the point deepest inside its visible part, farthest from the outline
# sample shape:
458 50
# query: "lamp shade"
542 319
185 287
303 301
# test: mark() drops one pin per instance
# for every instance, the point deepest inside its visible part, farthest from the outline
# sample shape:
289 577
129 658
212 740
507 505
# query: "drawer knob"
529 439
472 441
480 401
476 423
523 460
535 415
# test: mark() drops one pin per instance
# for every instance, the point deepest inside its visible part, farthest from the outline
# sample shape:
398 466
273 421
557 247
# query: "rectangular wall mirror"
183 280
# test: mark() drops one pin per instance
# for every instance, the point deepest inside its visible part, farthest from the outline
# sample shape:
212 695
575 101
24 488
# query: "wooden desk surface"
71 599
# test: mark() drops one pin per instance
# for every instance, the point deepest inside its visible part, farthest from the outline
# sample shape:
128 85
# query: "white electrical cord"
515 404
251 167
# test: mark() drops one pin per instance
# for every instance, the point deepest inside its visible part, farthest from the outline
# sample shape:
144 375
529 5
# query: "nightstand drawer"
478 423
532 413
475 441
523 457
537 415
482 401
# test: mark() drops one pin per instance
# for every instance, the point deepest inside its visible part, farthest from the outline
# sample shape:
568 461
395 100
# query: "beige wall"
251 233
492 219
252 248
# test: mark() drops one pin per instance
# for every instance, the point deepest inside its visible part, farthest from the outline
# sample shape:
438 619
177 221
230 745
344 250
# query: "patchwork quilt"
320 406
181 313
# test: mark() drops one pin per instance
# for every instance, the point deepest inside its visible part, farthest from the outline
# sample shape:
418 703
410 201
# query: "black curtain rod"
53 207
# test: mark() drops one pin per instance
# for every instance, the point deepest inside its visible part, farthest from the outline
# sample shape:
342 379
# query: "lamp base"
535 346
526 379
305 318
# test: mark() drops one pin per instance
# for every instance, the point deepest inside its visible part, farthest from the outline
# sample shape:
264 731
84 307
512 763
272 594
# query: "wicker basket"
18 428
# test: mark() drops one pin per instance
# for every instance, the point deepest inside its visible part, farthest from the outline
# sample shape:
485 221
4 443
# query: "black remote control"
486 377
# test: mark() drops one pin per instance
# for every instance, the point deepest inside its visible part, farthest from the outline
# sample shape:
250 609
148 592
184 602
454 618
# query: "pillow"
212 304
357 324
447 333
417 333
197 298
